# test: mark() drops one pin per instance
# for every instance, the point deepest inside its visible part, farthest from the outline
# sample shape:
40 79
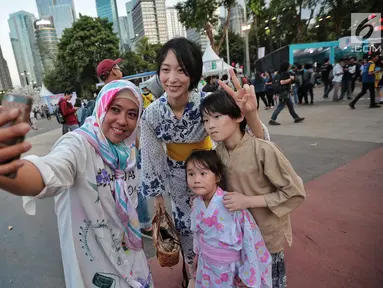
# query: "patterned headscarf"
119 157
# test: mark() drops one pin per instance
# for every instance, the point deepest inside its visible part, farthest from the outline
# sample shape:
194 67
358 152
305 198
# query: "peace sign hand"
244 97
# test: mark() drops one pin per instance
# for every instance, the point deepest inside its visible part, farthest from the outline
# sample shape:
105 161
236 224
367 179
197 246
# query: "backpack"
276 83
59 116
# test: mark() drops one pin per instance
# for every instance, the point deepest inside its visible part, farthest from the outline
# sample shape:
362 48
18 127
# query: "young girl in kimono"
229 246
92 174
264 180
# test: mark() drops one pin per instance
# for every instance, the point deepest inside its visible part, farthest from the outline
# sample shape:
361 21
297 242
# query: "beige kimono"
258 167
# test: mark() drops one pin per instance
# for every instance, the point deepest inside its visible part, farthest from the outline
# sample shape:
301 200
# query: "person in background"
368 82
325 73
347 79
154 87
108 70
353 69
68 112
294 71
309 82
337 79
276 76
269 90
260 89
225 79
302 92
147 96
47 113
211 84
285 95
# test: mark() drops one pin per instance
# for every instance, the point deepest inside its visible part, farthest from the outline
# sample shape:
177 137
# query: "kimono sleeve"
58 169
290 191
256 268
153 157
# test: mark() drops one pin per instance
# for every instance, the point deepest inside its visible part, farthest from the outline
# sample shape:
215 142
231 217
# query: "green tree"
201 15
81 48
236 48
148 52
133 64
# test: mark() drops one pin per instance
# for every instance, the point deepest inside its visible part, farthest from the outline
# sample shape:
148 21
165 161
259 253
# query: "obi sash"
217 256
181 151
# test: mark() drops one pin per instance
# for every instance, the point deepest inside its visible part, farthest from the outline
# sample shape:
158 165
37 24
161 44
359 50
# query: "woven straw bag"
166 240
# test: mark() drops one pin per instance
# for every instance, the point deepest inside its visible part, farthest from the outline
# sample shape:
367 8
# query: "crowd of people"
180 137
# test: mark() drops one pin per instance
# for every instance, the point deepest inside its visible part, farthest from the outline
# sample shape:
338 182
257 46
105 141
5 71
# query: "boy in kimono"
264 179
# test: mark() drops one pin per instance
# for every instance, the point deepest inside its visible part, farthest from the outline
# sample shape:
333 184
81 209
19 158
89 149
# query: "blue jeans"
280 107
143 212
295 91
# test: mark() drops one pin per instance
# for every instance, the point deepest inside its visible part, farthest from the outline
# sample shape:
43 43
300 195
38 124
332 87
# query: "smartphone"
24 104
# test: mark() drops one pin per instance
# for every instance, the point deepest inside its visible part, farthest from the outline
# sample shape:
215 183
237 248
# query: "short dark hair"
68 92
326 60
224 77
284 66
209 159
221 102
189 57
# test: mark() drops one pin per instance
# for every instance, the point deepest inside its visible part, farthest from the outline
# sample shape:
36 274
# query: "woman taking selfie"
92 174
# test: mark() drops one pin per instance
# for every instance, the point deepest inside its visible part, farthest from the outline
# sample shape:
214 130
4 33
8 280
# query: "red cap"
106 65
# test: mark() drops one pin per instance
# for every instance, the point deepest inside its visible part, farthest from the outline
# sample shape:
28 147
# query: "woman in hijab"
92 174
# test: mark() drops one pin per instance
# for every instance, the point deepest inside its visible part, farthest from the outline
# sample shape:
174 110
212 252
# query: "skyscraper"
5 78
62 11
236 19
124 31
129 13
108 9
46 42
175 28
62 18
149 20
198 37
24 46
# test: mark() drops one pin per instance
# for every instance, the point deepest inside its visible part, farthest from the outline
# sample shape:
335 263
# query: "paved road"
331 136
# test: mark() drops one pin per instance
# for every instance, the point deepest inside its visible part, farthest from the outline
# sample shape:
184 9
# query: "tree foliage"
201 15
82 47
236 48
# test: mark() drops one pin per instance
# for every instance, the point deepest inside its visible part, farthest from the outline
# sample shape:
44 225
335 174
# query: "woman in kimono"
171 128
229 245
92 174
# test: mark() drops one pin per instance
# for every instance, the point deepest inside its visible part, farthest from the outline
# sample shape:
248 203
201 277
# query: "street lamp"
25 73
245 28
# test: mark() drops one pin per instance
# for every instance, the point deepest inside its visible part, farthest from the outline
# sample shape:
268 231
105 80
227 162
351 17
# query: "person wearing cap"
92 173
108 70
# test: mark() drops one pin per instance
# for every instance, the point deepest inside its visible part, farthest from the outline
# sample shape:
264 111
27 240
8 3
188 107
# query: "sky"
85 7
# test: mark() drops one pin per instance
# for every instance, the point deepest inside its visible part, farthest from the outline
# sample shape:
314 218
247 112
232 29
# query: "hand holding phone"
14 118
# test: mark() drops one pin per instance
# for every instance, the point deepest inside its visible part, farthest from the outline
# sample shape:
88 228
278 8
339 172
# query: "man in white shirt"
337 78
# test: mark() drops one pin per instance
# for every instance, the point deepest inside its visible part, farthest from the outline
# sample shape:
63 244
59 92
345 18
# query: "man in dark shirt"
347 79
325 72
284 95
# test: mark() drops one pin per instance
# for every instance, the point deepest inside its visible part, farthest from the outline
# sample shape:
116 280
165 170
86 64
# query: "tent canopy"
209 55
45 92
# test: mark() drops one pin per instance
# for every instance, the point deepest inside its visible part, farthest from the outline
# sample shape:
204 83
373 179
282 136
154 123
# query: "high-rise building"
124 31
149 20
5 77
175 28
62 11
25 48
108 9
62 18
46 42
236 19
129 14
198 37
